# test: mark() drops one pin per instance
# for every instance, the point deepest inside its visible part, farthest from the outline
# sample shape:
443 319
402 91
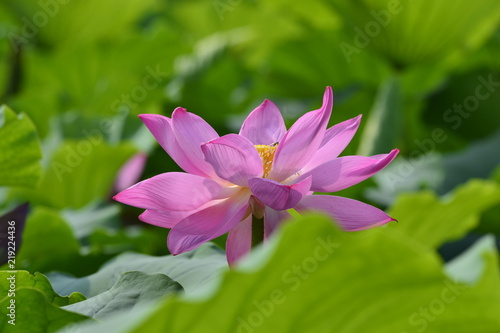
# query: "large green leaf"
36 305
111 79
411 32
61 21
79 172
130 290
318 279
432 221
20 151
196 271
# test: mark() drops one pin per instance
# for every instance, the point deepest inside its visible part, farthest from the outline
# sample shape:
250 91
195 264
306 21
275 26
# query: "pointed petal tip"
119 196
394 152
328 93
145 116
141 216
179 110
267 102
124 196
174 252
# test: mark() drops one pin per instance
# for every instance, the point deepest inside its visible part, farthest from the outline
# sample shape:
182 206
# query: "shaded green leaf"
196 271
48 242
384 125
130 290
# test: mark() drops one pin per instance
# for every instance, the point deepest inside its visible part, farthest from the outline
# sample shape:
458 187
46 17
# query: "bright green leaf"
432 221
36 304
20 151
355 282
79 173
412 32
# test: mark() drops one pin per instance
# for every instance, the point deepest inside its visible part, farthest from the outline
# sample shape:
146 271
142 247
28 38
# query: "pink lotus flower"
261 172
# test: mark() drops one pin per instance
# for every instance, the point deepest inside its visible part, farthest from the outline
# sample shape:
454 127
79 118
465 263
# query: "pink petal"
207 224
302 140
130 172
343 172
272 220
161 128
276 195
239 241
173 191
350 214
167 219
233 158
264 125
334 142
191 131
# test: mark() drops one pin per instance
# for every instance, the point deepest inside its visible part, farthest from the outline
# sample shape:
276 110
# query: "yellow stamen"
266 154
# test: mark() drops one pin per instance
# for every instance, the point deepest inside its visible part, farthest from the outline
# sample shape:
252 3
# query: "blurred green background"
424 74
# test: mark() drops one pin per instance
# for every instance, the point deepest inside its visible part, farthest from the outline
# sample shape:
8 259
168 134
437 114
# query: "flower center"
266 153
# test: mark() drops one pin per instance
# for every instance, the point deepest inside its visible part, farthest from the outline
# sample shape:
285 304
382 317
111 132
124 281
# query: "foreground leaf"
36 304
343 277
